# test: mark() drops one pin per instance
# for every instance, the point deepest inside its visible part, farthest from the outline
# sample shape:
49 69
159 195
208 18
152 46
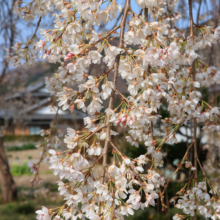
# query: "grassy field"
29 200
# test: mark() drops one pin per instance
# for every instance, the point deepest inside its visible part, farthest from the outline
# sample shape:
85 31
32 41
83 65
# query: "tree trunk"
9 191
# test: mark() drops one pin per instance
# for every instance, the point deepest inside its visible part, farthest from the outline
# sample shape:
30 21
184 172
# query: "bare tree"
7 32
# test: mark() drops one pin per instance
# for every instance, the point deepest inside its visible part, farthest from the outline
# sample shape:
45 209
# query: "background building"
27 112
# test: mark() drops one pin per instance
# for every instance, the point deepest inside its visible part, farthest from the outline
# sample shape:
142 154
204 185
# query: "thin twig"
122 95
38 24
102 38
178 168
97 130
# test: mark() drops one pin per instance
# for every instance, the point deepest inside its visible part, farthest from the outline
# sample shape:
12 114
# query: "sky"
182 23
26 32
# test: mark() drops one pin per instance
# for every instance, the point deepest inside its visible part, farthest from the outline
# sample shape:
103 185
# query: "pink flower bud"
117 121
124 118
131 121
69 56
72 108
123 124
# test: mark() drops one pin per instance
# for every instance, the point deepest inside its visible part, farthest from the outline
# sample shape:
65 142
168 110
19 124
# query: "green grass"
19 170
26 205
48 172
26 138
53 187
18 211
29 146
25 208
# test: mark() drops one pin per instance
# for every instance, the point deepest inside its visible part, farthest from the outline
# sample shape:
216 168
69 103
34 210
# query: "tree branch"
195 172
116 67
178 168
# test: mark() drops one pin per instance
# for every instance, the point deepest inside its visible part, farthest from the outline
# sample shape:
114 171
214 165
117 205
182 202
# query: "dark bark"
9 191
8 31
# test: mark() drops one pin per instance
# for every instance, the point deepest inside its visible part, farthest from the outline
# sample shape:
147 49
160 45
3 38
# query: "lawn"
29 200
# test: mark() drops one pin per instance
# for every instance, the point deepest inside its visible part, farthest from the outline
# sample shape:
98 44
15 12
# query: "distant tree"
11 81
7 33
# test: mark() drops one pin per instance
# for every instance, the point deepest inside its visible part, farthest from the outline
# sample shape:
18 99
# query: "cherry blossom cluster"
161 68
198 198
121 181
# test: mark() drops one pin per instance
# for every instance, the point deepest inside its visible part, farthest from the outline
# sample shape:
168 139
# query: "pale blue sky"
25 32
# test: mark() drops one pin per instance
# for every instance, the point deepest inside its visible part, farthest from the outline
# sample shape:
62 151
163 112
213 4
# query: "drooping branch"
116 66
193 72
110 106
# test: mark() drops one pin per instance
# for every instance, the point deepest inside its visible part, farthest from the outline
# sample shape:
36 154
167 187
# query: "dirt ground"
19 157
46 174
23 155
